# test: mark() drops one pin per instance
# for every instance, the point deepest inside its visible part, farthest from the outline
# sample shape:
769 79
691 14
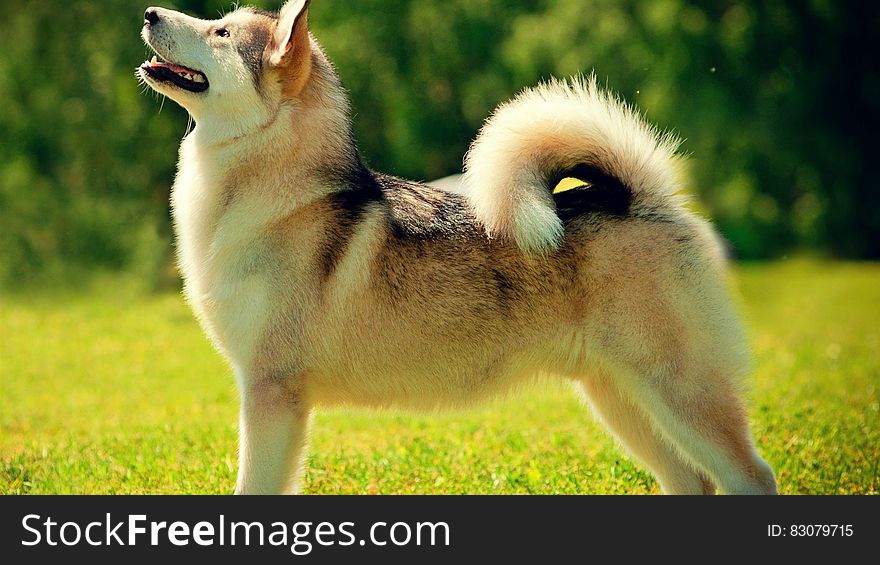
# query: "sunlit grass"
112 392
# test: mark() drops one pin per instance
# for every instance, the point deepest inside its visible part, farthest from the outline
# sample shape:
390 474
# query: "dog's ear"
292 31
291 48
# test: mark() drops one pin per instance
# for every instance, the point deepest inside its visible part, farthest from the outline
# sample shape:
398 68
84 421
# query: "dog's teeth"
154 61
198 78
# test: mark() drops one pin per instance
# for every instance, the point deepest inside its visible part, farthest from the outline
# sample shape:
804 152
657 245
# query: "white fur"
556 126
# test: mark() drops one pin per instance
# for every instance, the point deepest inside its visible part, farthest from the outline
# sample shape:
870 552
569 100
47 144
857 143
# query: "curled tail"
557 130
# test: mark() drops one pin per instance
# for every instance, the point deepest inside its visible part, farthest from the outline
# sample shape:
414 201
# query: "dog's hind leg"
706 421
680 362
666 326
273 430
640 436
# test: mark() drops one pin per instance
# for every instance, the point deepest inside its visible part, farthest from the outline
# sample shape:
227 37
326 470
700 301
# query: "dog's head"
236 70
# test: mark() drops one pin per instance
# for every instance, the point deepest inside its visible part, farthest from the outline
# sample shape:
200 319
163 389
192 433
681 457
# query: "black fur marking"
424 224
349 207
420 212
602 193
417 216
506 291
656 214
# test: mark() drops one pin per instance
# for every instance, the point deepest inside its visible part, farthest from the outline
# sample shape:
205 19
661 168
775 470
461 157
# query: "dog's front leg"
273 428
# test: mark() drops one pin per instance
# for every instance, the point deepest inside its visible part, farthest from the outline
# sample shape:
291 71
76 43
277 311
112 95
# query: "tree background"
776 101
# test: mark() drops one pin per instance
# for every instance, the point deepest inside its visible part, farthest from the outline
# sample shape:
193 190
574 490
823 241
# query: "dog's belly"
425 384
420 364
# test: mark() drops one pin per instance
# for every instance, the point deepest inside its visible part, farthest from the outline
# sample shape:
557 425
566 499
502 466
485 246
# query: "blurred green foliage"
775 99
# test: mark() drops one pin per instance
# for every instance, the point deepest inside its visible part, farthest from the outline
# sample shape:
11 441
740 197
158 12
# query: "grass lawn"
111 392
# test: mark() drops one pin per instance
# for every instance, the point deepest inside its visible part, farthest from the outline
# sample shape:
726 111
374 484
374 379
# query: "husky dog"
325 283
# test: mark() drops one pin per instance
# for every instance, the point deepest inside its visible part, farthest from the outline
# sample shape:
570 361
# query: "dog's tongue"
154 62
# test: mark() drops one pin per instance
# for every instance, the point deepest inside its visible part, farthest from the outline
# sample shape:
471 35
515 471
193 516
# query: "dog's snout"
151 16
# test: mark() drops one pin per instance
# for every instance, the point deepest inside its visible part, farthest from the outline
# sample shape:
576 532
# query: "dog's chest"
225 262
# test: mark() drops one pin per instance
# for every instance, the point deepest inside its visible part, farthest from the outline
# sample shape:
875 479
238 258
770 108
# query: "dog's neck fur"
311 135
230 191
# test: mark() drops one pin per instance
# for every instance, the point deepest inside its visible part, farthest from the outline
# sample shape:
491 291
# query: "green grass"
111 392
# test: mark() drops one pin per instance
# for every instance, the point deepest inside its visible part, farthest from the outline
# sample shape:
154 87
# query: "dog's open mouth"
178 75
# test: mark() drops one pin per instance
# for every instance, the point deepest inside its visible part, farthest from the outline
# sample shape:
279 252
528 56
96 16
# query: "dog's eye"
222 32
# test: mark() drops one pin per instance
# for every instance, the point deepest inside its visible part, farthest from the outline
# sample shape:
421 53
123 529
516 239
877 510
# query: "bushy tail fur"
531 142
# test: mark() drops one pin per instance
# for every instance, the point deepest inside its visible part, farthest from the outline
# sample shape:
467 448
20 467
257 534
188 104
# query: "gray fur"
251 43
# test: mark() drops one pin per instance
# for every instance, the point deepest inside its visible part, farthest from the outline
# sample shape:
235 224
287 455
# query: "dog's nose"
151 16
